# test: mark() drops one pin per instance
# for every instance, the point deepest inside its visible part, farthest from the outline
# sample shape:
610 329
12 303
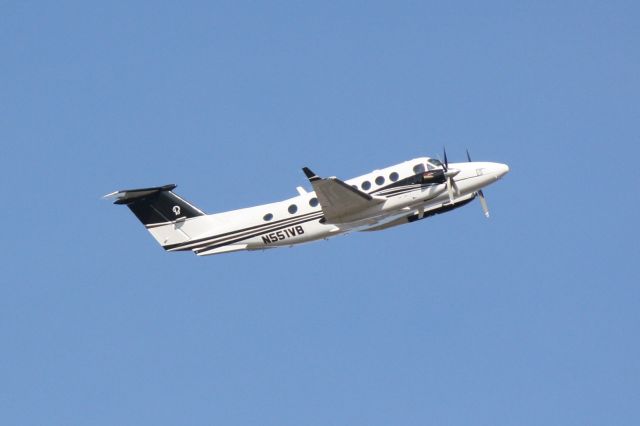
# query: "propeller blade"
450 189
468 156
446 162
483 203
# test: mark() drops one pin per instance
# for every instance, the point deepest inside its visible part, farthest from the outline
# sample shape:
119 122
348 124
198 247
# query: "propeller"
449 174
483 201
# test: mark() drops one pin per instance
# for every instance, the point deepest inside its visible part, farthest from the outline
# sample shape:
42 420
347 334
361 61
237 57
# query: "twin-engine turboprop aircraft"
396 195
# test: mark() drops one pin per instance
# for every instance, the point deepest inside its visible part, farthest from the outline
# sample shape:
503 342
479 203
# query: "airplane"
396 195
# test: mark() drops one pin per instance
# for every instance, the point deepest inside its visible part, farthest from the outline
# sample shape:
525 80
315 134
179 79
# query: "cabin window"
293 208
313 202
366 185
267 217
379 180
433 163
394 177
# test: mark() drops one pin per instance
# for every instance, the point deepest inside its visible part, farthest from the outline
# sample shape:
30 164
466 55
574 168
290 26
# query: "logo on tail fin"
176 210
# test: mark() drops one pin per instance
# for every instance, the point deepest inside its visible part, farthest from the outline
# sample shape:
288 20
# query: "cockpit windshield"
433 163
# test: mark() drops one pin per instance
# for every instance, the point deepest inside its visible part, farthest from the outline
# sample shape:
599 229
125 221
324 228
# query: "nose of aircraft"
502 169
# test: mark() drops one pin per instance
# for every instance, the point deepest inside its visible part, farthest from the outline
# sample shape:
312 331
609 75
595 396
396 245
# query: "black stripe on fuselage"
264 227
384 191
405 190
408 190
250 234
394 190
224 242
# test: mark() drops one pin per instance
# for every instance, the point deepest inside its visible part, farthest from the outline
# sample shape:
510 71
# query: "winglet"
310 175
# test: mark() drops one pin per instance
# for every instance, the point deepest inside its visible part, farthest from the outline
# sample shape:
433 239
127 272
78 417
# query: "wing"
339 201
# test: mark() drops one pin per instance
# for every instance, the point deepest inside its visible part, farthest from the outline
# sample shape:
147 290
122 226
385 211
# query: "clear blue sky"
529 318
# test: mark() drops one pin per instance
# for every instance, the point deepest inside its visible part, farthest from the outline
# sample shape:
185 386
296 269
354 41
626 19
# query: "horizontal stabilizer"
127 196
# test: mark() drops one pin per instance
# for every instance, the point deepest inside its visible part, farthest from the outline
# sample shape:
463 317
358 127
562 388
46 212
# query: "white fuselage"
300 219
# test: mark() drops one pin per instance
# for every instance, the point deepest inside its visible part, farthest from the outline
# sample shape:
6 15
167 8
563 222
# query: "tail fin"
160 210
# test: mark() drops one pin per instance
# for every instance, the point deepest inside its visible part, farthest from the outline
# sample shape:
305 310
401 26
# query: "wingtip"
110 195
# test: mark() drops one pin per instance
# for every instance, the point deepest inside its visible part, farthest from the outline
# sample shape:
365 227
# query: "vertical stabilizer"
160 210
